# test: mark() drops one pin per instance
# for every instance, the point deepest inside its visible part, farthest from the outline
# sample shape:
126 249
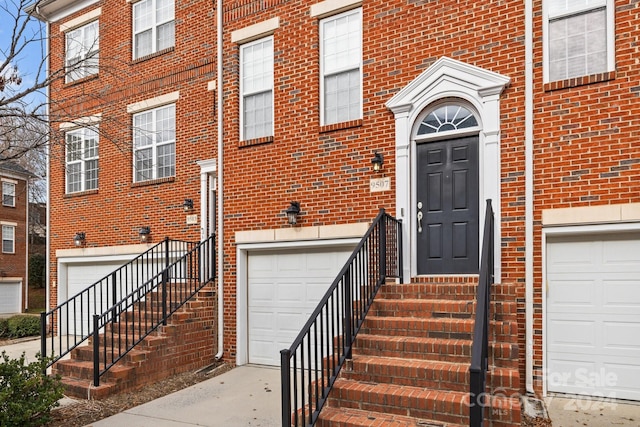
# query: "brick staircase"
411 360
185 343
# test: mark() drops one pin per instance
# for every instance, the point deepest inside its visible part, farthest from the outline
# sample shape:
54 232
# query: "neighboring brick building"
13 254
532 105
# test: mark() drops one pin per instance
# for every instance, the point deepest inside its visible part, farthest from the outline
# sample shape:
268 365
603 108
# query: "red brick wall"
329 171
585 141
15 264
113 214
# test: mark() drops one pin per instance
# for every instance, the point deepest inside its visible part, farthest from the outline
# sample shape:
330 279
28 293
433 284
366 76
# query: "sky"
31 58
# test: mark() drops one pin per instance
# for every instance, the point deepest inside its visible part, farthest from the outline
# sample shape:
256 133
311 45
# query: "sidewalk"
245 396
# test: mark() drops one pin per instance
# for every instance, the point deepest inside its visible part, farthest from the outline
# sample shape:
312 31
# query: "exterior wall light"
145 234
79 238
188 205
377 161
292 213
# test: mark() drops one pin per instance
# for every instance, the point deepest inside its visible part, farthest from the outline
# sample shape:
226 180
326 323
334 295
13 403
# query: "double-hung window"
8 194
82 160
579 37
82 51
8 239
341 67
153 27
256 74
154 143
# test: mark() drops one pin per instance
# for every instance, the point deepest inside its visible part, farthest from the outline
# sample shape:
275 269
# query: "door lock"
419 217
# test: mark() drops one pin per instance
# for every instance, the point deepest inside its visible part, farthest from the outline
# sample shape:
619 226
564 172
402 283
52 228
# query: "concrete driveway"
244 396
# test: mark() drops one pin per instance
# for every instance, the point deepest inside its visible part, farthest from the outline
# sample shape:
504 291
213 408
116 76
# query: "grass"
37 300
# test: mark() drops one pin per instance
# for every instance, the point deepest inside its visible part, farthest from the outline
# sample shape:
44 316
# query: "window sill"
256 141
153 182
81 80
153 55
579 81
340 126
80 193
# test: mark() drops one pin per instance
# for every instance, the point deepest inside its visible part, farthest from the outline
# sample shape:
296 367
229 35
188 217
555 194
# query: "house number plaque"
380 184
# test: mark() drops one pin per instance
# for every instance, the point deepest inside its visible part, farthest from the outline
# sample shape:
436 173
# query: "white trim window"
153 26
341 67
82 51
81 160
154 143
579 38
256 77
8 239
8 194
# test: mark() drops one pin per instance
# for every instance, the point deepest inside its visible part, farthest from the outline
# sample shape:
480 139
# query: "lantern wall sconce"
79 238
188 205
377 161
292 213
145 234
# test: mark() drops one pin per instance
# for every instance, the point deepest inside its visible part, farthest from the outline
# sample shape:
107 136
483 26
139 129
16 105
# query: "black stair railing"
311 365
125 324
480 347
71 323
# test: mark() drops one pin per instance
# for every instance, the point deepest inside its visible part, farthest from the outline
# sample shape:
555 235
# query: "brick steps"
184 344
411 358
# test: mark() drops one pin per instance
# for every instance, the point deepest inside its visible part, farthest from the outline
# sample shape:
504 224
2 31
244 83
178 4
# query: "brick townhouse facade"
14 276
530 104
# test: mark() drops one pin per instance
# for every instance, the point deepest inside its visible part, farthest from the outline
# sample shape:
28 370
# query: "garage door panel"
622 337
593 315
10 296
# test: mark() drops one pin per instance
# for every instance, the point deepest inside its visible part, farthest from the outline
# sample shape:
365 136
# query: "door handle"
419 221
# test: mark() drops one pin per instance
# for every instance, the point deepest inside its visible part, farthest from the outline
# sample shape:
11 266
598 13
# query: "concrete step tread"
338 417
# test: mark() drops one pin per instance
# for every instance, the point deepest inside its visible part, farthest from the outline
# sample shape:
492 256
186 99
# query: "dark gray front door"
447 198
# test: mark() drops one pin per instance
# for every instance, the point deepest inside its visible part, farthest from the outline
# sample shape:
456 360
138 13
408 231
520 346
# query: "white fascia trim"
11 280
11 181
332 7
81 122
11 224
158 101
103 251
81 20
255 31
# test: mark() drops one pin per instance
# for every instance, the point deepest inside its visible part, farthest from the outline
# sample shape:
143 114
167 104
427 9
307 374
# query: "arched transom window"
448 117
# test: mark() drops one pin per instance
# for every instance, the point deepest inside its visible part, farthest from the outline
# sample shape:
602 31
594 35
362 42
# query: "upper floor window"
153 26
8 194
256 75
341 67
82 51
82 160
579 37
8 239
154 143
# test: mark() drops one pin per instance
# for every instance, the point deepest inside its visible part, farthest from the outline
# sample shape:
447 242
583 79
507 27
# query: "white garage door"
10 297
284 289
79 277
593 315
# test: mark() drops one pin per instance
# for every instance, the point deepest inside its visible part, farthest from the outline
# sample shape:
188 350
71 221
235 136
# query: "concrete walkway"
578 411
244 396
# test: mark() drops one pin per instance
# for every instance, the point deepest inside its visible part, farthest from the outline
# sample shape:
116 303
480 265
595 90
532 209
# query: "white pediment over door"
447 79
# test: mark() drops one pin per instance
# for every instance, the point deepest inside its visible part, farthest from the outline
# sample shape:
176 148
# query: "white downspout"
219 192
528 189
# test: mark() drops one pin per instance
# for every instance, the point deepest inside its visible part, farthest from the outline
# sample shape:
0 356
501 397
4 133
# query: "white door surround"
476 87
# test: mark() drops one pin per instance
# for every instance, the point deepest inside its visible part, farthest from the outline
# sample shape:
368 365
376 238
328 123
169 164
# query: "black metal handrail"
480 346
125 324
311 365
70 323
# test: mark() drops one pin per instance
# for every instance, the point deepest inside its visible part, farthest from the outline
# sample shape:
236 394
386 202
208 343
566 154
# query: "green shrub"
23 326
27 395
4 328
